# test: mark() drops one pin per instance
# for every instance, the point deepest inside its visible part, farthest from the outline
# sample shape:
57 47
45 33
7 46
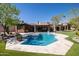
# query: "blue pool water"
41 39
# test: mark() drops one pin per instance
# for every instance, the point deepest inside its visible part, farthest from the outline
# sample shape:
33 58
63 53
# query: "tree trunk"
6 29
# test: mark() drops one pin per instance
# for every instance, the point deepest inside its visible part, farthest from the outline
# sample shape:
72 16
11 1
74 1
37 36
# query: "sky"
42 12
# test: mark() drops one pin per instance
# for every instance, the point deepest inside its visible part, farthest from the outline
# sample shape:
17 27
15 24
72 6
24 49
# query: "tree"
8 15
55 21
73 15
75 22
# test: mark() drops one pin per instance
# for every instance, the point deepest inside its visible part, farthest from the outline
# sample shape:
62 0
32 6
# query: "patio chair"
11 35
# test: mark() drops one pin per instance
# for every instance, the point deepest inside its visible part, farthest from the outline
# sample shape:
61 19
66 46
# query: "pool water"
41 39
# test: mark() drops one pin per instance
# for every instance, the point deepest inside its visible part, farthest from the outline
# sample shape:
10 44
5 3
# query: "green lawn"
74 51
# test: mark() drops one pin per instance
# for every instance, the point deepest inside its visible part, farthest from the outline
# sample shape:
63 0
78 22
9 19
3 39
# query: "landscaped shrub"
77 33
19 37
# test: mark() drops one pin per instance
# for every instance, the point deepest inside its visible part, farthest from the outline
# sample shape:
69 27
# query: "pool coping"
60 47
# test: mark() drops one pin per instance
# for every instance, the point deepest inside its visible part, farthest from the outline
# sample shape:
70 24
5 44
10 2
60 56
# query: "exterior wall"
13 29
20 31
1 28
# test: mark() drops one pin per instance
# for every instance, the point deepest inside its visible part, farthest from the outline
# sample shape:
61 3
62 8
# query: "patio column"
48 29
59 28
67 27
54 27
34 28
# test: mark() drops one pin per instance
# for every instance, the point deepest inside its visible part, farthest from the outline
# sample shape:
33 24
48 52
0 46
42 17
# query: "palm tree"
55 21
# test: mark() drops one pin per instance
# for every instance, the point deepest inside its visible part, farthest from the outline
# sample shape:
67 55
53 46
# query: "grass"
74 51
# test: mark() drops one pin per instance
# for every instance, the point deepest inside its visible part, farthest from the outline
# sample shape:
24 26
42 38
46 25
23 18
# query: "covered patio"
42 27
50 27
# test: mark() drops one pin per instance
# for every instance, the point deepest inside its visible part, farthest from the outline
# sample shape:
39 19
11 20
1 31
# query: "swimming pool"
41 39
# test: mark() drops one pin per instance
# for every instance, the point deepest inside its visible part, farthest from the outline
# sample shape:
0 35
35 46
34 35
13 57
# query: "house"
37 27
42 27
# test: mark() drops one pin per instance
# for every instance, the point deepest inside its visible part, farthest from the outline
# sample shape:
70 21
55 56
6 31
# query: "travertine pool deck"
59 47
